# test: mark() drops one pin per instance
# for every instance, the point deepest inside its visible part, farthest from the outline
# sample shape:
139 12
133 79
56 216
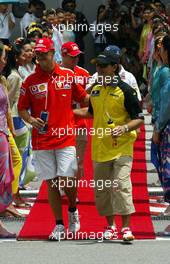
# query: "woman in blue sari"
161 135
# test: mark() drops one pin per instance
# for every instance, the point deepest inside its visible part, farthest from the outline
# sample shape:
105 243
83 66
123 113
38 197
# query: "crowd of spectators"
141 30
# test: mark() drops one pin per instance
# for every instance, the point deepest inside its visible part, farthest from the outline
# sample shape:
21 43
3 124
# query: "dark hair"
157 43
149 8
26 41
22 41
65 2
166 45
32 2
16 51
46 26
98 11
71 12
34 33
158 1
36 3
117 69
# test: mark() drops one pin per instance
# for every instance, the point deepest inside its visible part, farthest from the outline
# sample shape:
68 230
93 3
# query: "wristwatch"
126 128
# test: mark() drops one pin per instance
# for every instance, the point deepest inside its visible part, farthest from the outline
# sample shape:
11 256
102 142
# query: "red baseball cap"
44 45
71 49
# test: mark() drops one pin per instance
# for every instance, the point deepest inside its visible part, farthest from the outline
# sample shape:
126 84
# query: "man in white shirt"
130 79
34 14
7 23
125 76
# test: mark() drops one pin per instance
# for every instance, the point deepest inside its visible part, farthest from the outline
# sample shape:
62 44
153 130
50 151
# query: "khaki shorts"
113 187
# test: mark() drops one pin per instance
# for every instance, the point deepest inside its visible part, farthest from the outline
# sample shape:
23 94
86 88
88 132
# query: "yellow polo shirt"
120 105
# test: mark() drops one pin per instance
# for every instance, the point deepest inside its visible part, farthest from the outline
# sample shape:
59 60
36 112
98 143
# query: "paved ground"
144 251
141 252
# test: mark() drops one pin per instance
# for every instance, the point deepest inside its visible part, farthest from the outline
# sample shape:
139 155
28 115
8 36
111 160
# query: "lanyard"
46 97
3 19
109 117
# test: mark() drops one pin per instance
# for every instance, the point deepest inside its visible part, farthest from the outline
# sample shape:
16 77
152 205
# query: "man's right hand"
36 122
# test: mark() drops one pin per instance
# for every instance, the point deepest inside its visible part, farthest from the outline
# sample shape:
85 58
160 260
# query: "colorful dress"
6 171
22 130
143 44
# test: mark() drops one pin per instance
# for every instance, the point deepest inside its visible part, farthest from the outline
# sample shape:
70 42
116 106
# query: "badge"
59 84
34 89
95 93
39 88
42 87
67 86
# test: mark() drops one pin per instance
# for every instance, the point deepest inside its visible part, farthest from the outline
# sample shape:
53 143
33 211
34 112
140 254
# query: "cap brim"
75 53
41 50
100 61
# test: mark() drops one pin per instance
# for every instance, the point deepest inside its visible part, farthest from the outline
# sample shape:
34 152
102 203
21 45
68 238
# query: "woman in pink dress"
6 170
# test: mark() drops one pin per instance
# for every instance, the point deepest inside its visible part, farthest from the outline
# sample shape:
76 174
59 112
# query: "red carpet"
40 221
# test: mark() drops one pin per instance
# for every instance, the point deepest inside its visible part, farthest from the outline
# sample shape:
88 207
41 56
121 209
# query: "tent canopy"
13 1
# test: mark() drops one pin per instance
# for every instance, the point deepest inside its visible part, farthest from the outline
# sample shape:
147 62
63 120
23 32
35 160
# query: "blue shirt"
160 76
164 112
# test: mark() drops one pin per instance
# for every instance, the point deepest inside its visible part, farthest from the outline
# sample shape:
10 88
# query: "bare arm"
130 126
13 85
11 22
8 115
10 122
82 112
135 124
86 100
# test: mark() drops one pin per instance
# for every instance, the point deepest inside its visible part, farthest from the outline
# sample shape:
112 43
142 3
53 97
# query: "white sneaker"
110 233
58 233
127 234
74 222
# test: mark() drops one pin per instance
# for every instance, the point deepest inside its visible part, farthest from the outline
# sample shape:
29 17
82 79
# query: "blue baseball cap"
110 55
112 49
